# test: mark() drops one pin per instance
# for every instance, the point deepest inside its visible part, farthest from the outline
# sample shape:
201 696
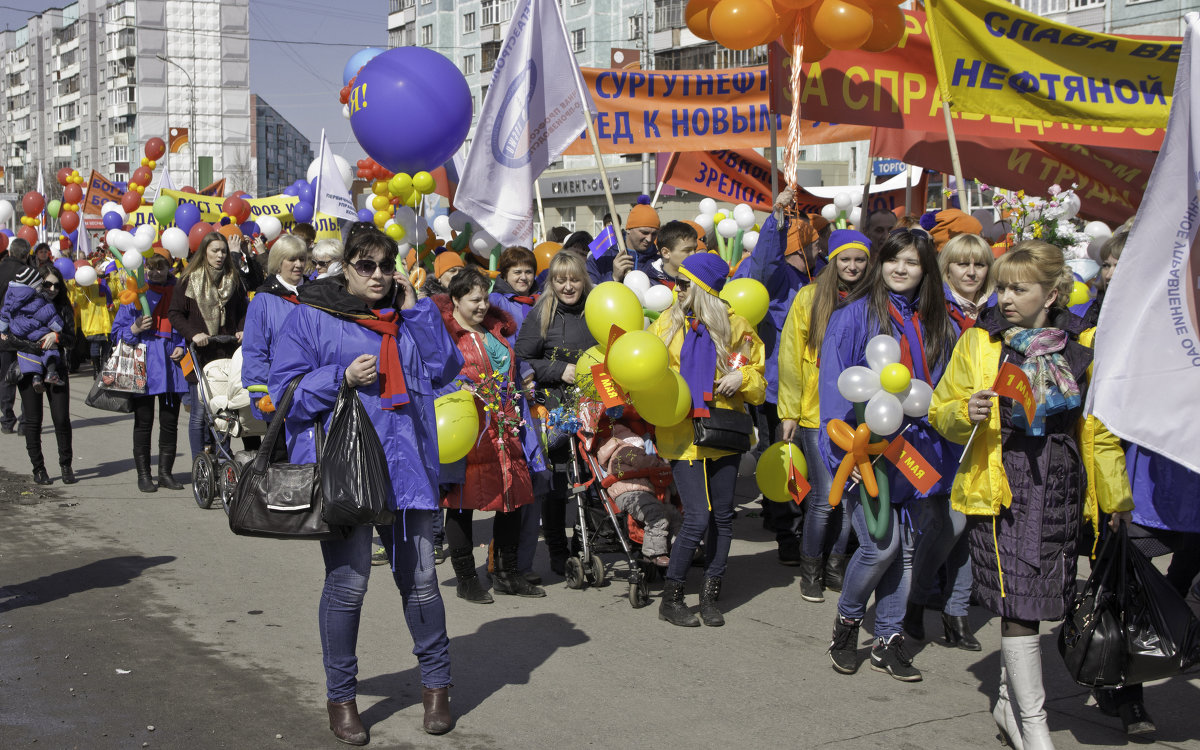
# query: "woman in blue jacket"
361 328
902 297
165 381
271 304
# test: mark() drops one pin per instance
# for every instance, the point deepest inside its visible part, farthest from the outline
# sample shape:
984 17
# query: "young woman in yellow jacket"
722 360
94 314
1023 484
800 413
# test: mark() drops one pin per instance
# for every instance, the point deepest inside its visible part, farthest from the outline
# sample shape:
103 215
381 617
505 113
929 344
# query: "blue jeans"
347 568
197 430
706 488
940 540
822 521
883 568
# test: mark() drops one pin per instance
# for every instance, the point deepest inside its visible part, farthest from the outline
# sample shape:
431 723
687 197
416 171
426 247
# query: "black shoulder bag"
723 429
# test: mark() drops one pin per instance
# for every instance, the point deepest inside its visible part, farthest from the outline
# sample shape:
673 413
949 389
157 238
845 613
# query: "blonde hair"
327 250
287 247
1037 262
564 263
1114 246
965 248
710 310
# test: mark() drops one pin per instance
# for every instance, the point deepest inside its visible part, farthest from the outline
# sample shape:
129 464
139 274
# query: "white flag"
1146 378
83 242
41 230
164 181
332 197
535 108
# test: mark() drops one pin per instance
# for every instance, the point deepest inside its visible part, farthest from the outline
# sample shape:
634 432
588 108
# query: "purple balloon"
290 190
419 86
186 216
113 220
366 214
65 268
250 228
8 232
306 193
302 212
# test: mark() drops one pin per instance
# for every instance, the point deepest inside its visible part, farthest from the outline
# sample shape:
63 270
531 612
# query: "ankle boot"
141 461
914 621
469 587
166 462
810 579
1022 657
1002 714
345 722
437 710
835 571
709 614
958 632
506 579
673 610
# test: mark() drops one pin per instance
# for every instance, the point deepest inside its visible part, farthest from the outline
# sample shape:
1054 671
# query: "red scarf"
162 325
393 391
906 347
523 299
959 317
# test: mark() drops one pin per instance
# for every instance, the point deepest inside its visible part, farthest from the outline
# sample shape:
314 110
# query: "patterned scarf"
1054 387
211 298
698 365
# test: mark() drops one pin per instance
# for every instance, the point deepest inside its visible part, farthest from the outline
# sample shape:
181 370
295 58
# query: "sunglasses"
321 263
367 267
682 284
50 285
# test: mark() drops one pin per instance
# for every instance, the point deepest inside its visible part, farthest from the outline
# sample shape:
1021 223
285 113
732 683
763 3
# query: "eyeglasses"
367 267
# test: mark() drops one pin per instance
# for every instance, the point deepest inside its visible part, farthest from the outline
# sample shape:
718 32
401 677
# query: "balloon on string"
305 192
155 148
1079 294
637 359
69 221
741 24
197 233
164 209
441 227
727 227
131 201
773 471
356 61
882 350
250 228
175 242
141 176
457 425
132 260
144 236
747 298
657 298
365 214
113 207
33 203
270 226
65 268
829 212
706 222
698 14
743 214
302 212
843 24
53 207
345 171
6 211
85 275
29 234
63 174
610 304
887 28
186 216
750 241
666 402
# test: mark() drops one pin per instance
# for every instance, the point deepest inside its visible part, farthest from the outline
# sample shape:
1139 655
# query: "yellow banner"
995 58
279 206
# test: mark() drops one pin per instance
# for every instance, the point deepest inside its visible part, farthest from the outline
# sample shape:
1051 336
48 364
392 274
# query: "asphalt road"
133 620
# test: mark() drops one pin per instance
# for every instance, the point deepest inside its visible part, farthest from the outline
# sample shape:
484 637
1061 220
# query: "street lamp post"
191 118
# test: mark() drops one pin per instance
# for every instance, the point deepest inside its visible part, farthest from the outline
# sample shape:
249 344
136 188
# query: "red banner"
1012 382
912 465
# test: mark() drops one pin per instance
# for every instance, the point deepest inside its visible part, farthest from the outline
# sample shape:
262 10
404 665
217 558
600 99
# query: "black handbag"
355 481
1128 625
12 375
723 429
281 500
102 398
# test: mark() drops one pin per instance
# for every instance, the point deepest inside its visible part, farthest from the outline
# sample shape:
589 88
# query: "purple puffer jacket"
502 298
163 374
1036 538
27 314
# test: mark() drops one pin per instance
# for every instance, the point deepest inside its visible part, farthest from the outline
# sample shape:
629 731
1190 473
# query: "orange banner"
912 465
610 393
1012 382
99 192
798 486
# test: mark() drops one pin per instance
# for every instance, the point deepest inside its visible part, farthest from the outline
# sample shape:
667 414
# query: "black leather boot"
835 571
166 462
673 610
469 587
709 614
914 621
810 579
958 632
145 482
506 579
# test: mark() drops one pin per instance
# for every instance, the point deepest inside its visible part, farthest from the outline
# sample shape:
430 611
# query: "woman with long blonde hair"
722 360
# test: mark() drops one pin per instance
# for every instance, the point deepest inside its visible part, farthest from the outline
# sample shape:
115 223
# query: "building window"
427 35
468 65
579 40
120 153
396 38
488 52
468 22
635 27
1077 4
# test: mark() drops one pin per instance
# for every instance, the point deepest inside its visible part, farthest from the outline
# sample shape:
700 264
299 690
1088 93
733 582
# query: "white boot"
1022 657
1006 721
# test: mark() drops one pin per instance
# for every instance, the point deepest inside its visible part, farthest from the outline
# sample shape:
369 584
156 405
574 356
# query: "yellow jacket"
675 442
981 485
93 312
799 397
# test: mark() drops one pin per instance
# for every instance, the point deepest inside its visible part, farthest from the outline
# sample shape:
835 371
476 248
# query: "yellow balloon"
423 183
396 232
401 185
717 217
457 425
637 360
895 378
1079 294
380 187
665 403
772 470
380 202
609 304
748 298
583 366
413 200
381 218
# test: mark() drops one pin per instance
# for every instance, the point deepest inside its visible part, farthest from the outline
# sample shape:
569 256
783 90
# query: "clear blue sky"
299 75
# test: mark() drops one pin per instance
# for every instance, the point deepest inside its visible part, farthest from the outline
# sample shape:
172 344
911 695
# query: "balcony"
669 15
496 11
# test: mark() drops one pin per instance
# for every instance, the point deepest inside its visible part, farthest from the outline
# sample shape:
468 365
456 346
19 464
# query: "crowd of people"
1003 528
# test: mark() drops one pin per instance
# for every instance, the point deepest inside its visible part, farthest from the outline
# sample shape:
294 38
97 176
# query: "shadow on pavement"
106 469
109 573
483 663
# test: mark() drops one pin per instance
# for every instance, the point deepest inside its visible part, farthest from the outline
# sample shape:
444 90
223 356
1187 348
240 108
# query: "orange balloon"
742 24
786 5
887 29
843 24
230 230
697 15
544 252
785 21
814 49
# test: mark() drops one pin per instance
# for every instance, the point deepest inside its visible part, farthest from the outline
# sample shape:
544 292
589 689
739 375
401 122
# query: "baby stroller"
227 415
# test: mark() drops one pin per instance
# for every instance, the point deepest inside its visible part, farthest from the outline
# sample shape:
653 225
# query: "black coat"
566 338
8 271
186 318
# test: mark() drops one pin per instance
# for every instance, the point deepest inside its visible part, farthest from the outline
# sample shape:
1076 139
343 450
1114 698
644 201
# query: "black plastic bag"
355 479
1128 625
102 398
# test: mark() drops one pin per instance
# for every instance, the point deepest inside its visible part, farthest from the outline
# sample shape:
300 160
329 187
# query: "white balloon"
856 198
727 228
55 253
829 212
343 166
175 240
858 384
422 227
706 222
6 211
750 241
744 216
482 243
657 298
346 111
143 237
132 260
882 351
855 216
270 227
1084 268
404 247
111 237
1097 230
884 414
113 207
85 276
407 218
916 402
1072 205
441 226
458 221
637 281
708 207
843 202
125 241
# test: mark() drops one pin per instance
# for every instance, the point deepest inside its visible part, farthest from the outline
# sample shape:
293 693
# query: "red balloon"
73 194
64 244
3 242
62 175
131 201
189 189
33 203
142 176
155 148
69 221
196 233
29 234
232 205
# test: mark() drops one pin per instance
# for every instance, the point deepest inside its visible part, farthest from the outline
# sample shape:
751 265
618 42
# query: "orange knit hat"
951 223
642 215
801 234
445 261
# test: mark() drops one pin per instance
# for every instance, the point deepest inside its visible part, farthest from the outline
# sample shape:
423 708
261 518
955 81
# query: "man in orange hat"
641 230
951 223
